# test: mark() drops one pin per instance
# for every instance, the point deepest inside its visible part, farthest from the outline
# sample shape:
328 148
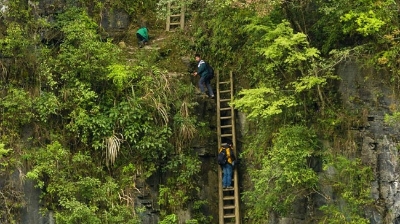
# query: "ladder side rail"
181 15
220 191
218 110
167 27
183 8
235 172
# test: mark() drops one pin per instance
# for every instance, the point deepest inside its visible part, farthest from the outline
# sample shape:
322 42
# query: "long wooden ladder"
175 15
228 198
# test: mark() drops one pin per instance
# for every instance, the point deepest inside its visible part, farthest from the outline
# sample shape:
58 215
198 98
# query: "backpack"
222 158
210 72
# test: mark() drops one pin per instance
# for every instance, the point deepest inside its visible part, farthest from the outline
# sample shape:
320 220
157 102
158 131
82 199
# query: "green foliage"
18 45
284 175
365 23
176 193
392 120
170 219
3 151
16 111
18 11
15 44
45 105
88 106
386 57
76 188
350 180
286 51
5 159
12 197
309 82
218 36
263 102
133 7
198 214
82 56
292 74
341 22
120 75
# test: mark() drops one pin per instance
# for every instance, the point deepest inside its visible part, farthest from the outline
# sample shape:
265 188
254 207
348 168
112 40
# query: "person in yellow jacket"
227 168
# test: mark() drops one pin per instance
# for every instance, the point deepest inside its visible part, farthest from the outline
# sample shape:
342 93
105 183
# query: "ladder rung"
228 189
225 91
229 216
226 108
174 24
227 198
226 126
224 118
226 135
224 82
229 207
176 15
224 100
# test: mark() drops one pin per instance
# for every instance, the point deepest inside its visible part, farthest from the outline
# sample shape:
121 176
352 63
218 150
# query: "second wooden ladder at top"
175 15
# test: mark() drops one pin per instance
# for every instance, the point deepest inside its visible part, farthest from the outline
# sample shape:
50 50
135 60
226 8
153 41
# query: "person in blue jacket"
202 71
227 168
143 36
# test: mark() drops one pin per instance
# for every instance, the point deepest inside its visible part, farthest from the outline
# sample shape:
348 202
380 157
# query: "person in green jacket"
143 36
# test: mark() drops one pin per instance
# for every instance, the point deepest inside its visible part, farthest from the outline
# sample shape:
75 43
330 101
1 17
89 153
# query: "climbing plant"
77 189
350 179
284 175
11 196
179 187
344 23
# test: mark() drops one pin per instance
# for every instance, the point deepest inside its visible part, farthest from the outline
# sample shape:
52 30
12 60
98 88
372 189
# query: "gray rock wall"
365 92
366 95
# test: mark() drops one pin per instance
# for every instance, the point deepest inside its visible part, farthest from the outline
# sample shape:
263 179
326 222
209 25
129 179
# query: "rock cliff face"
364 93
364 90
377 143
114 22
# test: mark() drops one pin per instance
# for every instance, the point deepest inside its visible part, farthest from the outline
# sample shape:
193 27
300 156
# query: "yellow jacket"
229 154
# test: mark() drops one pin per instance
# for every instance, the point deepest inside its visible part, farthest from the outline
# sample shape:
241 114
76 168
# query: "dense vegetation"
85 118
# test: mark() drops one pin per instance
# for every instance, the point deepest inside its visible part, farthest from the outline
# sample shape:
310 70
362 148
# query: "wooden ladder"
175 15
228 198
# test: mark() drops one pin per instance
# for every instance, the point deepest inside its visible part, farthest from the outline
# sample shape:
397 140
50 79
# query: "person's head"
197 57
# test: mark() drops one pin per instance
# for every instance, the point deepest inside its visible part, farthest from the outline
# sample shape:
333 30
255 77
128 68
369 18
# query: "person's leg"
210 91
224 179
229 175
201 83
140 39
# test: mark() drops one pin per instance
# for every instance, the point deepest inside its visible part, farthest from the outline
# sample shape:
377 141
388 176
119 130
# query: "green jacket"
144 33
202 69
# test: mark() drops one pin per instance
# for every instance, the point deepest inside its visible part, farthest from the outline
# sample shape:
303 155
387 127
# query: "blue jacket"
202 69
